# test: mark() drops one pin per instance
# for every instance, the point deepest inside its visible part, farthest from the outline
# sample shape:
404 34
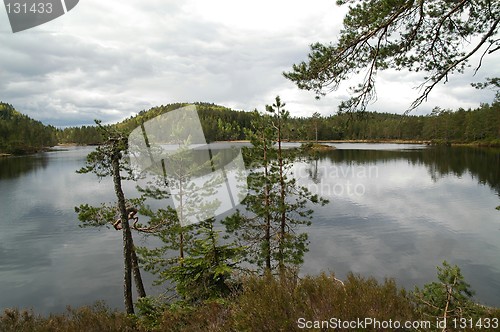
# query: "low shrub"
276 304
88 318
269 303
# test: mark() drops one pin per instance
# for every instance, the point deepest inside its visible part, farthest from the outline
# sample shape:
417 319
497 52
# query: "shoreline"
373 141
66 144
342 141
477 144
378 141
385 141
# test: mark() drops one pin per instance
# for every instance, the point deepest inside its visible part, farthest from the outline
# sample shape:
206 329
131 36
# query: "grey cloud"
110 61
181 61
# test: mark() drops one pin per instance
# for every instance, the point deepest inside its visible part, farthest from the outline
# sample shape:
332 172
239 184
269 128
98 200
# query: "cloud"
110 60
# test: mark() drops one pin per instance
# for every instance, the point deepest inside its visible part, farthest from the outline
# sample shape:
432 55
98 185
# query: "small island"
316 147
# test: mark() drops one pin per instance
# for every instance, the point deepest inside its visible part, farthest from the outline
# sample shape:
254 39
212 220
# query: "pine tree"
108 160
436 37
450 298
191 256
276 206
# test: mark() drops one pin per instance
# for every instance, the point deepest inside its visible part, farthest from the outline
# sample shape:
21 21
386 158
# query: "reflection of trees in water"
483 164
313 169
12 167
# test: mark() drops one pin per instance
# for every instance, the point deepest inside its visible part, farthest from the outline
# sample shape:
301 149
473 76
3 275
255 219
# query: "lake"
395 211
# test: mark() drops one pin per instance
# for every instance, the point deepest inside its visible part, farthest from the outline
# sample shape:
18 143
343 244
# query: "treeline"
20 134
221 124
480 124
84 135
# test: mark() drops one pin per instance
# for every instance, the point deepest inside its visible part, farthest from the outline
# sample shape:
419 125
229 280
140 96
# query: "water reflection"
12 167
418 207
402 212
482 164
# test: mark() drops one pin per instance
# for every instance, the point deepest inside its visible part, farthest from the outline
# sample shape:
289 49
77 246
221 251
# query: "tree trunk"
181 220
281 248
267 239
127 235
141 292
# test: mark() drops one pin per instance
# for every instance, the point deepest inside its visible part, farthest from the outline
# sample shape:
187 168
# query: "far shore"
385 141
371 141
67 144
393 141
381 141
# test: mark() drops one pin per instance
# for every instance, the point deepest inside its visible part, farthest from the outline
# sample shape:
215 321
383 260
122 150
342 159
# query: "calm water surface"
395 211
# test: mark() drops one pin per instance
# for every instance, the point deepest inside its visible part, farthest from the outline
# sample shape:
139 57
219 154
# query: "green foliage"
103 215
108 160
429 36
481 125
84 135
202 270
473 125
100 163
262 303
191 255
174 237
219 123
20 134
256 232
449 298
150 311
96 216
478 125
205 273
276 206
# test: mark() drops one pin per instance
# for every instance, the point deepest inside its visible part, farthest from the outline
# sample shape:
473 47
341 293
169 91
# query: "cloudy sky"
111 59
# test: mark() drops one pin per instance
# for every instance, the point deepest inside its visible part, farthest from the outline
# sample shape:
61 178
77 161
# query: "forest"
19 134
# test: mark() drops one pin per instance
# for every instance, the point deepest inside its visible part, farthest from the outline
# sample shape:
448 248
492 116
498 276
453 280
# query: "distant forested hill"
442 125
20 134
219 123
